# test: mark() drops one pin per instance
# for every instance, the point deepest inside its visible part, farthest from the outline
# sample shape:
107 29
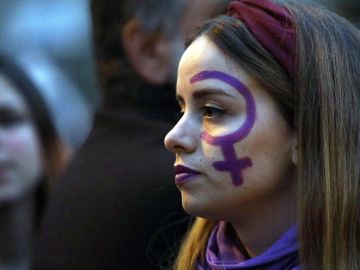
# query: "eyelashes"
212 112
206 112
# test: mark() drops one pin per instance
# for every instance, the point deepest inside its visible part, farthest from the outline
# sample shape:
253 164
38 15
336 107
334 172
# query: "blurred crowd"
86 98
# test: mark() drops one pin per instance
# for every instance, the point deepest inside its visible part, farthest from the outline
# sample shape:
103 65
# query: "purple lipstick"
184 174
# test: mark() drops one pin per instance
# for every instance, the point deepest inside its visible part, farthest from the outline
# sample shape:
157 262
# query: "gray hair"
158 15
110 16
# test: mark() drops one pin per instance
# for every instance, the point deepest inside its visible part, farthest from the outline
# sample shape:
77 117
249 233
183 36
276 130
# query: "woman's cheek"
20 141
24 147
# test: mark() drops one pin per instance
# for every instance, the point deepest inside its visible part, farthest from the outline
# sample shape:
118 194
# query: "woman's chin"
196 206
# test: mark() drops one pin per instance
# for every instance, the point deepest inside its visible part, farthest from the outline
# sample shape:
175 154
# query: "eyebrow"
201 93
205 92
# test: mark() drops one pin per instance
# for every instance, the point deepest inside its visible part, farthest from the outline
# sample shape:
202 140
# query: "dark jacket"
112 206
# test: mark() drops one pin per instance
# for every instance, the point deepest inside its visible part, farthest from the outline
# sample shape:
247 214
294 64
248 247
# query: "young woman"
31 155
268 146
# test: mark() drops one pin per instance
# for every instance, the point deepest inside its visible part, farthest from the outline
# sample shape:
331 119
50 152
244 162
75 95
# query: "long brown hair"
328 124
51 144
321 104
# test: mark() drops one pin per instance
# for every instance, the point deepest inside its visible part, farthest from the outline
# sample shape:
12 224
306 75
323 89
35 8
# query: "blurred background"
347 8
62 28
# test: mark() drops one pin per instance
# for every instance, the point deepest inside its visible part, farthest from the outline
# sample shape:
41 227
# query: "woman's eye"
8 119
212 111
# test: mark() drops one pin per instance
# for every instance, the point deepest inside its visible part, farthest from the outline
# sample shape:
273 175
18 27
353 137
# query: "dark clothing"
117 193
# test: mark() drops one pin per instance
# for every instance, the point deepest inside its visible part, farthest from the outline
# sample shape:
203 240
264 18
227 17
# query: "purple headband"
272 25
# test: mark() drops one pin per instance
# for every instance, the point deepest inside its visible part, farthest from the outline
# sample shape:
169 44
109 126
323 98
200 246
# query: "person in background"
31 157
268 146
115 197
69 111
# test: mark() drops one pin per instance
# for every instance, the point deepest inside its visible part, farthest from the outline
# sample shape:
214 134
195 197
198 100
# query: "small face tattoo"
231 163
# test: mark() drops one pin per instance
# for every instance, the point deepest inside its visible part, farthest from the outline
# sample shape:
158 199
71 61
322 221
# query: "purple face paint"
231 164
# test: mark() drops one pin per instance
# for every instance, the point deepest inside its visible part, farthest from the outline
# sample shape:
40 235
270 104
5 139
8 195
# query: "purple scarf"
222 254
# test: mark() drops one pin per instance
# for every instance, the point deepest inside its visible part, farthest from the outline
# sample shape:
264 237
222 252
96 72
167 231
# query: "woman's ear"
148 53
294 150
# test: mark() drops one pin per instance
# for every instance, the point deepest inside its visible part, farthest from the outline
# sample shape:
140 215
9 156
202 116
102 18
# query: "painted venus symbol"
231 163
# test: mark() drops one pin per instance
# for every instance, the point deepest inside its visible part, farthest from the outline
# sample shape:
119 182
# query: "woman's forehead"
201 53
204 55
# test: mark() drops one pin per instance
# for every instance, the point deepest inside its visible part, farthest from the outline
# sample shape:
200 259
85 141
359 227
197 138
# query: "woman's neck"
17 222
262 227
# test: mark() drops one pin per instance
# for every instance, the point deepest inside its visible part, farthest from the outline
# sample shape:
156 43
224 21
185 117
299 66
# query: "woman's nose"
182 137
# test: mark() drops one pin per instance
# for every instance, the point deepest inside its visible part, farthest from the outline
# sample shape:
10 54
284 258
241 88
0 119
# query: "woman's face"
233 149
21 161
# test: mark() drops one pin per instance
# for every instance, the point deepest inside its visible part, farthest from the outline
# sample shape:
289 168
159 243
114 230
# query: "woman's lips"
184 174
